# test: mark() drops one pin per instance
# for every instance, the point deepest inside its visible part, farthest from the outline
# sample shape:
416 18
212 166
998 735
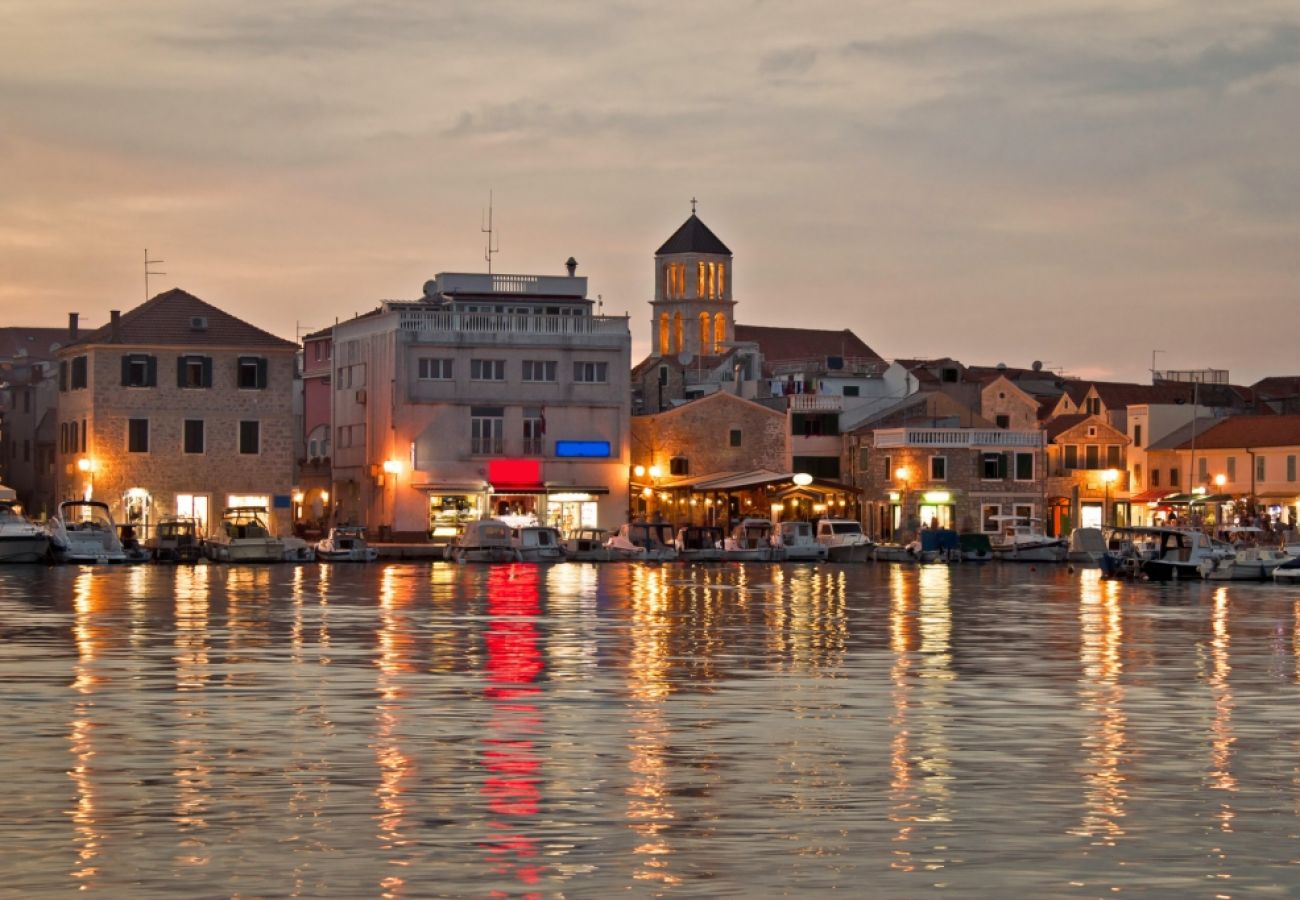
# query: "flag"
541 425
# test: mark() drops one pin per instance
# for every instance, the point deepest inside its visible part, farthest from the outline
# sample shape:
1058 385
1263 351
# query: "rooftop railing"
957 437
455 322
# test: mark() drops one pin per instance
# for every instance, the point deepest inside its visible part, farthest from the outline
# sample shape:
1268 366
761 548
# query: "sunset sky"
1074 182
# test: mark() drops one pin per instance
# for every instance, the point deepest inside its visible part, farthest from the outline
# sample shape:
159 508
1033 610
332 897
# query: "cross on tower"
693 201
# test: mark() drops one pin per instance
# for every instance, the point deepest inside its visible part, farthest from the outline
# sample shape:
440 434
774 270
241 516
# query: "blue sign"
281 501
582 449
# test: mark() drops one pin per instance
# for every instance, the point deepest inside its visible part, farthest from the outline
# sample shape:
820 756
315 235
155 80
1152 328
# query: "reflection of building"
491 395
176 407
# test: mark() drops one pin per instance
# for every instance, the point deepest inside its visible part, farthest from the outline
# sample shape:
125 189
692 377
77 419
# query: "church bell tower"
692 312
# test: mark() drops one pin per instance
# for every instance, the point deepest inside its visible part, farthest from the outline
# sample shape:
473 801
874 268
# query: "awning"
1152 496
554 488
442 487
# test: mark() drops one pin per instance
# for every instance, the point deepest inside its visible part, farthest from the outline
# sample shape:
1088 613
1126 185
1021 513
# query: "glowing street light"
1109 477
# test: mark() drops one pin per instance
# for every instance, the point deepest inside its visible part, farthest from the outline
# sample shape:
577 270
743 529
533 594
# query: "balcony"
973 438
432 324
815 403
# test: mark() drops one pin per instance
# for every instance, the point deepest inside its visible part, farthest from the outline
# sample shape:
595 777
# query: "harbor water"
594 730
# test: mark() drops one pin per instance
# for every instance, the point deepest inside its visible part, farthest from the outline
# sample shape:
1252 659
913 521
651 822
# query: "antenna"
147 263
1153 364
492 248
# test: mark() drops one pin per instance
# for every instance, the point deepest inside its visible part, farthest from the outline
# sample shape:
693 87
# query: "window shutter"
261 372
207 371
180 370
63 375
151 375
126 370
1002 465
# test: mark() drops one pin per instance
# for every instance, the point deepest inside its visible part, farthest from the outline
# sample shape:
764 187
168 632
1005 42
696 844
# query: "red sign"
505 474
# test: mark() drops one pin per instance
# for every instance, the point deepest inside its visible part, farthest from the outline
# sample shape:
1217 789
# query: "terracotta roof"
167 320
1249 431
18 342
693 237
779 344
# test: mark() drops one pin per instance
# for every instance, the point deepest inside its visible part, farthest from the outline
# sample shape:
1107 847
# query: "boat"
483 541
536 543
798 543
297 549
243 536
975 546
940 544
751 541
345 543
592 545
176 540
1288 572
909 552
843 540
1087 546
1019 539
1247 564
699 543
654 538
1159 554
21 540
135 551
83 531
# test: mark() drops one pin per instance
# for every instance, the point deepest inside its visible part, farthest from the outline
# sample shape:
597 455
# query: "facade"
28 395
313 479
493 395
176 408
1087 473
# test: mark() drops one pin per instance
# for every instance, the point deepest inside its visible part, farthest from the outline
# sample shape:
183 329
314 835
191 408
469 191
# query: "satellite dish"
685 357
1037 365
430 288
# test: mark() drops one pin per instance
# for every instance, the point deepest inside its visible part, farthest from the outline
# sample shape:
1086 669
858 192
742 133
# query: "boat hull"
24 548
256 551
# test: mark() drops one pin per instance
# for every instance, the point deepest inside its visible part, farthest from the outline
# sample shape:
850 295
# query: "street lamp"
901 474
1109 477
87 466
1219 481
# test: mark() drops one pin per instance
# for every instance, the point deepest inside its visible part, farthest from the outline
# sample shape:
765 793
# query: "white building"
497 395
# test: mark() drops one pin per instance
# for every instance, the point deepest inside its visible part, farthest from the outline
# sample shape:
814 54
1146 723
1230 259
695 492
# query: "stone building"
313 479
28 396
1087 477
176 408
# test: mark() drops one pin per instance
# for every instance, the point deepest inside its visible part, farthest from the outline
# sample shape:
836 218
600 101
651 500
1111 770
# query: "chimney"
572 265
115 320
72 326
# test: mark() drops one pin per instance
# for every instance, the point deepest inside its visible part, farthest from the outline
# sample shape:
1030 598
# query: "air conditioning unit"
361 396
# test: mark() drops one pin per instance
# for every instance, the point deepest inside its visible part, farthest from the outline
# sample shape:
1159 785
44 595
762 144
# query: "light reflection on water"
407 730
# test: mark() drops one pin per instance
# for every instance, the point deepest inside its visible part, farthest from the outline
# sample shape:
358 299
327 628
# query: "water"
432 730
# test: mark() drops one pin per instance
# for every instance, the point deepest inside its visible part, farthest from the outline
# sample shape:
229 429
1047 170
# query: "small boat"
83 531
297 549
345 543
751 541
243 536
654 538
536 543
1159 554
135 551
592 545
483 541
975 546
1288 572
1247 564
1087 546
699 543
909 552
21 540
940 544
1020 540
797 542
843 540
176 540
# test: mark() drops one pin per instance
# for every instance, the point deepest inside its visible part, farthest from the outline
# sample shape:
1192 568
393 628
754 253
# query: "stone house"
176 408
1087 474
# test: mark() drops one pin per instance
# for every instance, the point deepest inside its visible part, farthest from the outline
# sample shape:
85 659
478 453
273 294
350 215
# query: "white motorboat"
1020 539
751 541
592 545
797 542
909 552
483 541
243 536
1288 572
536 543
176 540
699 543
345 543
843 540
655 539
21 540
84 532
1087 546
297 549
1247 564
1160 554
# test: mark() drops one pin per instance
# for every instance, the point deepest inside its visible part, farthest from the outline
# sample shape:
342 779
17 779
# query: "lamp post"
1108 477
901 474
1219 481
86 466
392 467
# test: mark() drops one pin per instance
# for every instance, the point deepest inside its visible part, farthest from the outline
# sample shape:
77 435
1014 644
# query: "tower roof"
693 237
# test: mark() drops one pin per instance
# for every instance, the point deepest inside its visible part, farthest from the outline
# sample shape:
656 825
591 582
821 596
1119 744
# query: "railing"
486 446
956 437
853 365
815 402
442 321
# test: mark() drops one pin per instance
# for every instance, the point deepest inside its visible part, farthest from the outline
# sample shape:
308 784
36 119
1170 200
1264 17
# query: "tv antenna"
492 247
147 263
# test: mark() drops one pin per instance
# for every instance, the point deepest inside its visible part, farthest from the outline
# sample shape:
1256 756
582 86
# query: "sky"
1086 183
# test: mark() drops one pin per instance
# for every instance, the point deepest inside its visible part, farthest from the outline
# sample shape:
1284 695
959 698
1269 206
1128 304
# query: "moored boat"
843 540
243 536
592 545
21 540
1247 564
176 540
536 543
699 543
1087 546
483 541
1020 539
975 546
655 540
345 543
797 542
751 541
83 531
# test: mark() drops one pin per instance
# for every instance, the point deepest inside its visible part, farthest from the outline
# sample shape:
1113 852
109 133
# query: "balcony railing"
815 403
957 437
445 322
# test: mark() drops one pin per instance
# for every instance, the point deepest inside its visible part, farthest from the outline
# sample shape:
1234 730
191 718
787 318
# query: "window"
994 466
63 437
889 468
1290 468
1174 479
1094 406
193 436
1259 468
250 373
1003 421
1024 467
1137 476
735 437
137 435
679 465
63 375
250 437
436 369
486 430
1203 470
540 369
827 467
1092 456
1137 435
1155 478
85 435
27 450
78 372
1232 468
487 369
1071 456
194 371
534 429
139 370
1024 511
989 513
938 468
317 348
948 375
591 372
851 390
1112 456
